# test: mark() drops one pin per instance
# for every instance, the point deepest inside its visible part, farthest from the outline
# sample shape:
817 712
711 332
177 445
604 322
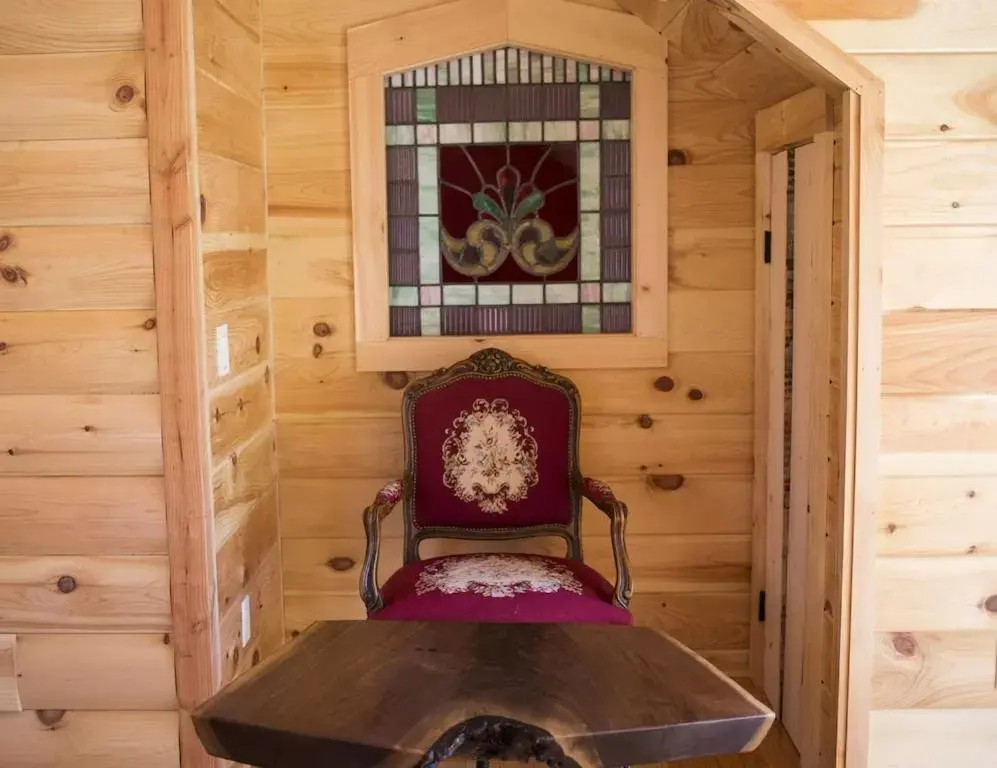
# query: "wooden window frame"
563 28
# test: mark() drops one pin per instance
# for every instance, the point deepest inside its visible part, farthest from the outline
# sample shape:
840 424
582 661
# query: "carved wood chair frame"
493 363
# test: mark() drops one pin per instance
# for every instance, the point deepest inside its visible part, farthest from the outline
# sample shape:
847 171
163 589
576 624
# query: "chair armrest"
384 502
602 496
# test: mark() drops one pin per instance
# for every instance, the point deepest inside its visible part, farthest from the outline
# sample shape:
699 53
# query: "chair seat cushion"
500 588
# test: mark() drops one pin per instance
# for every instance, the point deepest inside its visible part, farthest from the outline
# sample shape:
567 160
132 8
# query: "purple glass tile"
526 102
563 318
615 230
615 158
560 102
401 164
403 199
454 104
616 193
614 101
616 265
616 318
399 106
403 268
526 318
403 233
490 104
492 321
458 321
405 321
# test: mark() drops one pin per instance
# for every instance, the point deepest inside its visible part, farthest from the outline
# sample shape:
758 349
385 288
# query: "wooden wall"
933 693
229 108
84 581
339 431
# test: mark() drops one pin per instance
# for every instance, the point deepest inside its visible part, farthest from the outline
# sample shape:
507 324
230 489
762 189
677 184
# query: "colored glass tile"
558 70
588 130
403 233
425 105
614 100
429 249
563 318
403 198
454 104
477 69
616 193
489 68
465 71
526 318
523 132
588 100
591 293
459 294
430 317
571 71
616 264
613 293
428 181
561 130
536 68
616 318
404 296
528 294
403 268
442 75
525 102
616 158
430 295
491 321
500 65
591 249
408 79
583 72
589 176
548 68
459 321
426 134
591 319
560 102
455 133
512 66
398 106
395 135
396 80
561 293
420 78
615 229
404 321
615 130
489 133
493 294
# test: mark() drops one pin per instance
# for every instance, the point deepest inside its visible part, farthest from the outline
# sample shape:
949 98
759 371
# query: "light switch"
222 364
246 631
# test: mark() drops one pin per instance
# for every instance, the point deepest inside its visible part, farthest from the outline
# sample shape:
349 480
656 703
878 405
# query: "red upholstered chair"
491 453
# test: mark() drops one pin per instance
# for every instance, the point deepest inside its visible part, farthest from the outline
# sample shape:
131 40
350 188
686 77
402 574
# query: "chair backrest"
491 452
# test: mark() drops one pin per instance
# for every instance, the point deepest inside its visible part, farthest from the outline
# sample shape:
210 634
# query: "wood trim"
759 510
169 47
657 14
793 121
10 695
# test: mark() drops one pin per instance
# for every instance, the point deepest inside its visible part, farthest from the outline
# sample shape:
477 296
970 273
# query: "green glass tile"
548 68
615 293
588 99
460 295
489 133
397 135
455 133
532 132
404 296
591 319
441 74
589 176
429 249
493 294
583 72
428 181
560 130
430 317
615 129
532 293
562 293
591 256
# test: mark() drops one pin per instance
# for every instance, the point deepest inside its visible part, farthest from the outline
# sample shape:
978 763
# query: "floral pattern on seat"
496 576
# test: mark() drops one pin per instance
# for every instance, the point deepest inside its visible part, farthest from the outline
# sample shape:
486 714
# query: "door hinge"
761 606
768 246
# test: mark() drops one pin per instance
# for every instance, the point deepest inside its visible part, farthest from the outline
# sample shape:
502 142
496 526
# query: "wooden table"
406 694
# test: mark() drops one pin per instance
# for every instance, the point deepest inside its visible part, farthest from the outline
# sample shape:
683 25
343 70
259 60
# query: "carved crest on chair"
496 575
490 456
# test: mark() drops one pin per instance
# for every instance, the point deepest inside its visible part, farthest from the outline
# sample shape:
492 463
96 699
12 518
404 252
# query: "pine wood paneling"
96 671
241 556
228 124
69 267
75 182
82 516
80 739
65 26
711 195
710 321
241 480
226 49
102 593
50 435
921 738
103 352
234 277
234 196
712 259
240 409
248 339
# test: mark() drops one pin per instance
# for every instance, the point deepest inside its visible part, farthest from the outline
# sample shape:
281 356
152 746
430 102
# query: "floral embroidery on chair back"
492 443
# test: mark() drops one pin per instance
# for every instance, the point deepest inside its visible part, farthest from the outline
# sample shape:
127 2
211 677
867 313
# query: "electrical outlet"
222 364
246 631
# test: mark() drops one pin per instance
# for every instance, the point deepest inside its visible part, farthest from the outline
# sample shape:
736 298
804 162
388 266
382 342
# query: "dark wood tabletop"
406 694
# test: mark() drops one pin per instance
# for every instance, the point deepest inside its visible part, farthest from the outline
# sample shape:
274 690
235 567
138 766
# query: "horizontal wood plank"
74 96
710 321
96 671
247 328
240 480
234 196
101 352
81 739
82 516
240 409
228 124
10 696
72 435
923 738
53 594
64 26
74 182
306 75
227 50
703 196
718 258
241 556
234 277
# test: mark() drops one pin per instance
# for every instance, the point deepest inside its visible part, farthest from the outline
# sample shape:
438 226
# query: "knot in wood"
3 346
696 394
89 428
235 656
50 717
395 379
316 350
664 383
124 94
904 644
322 329
644 421
667 482
266 375
5 242
10 274
259 344
341 564
678 157
891 528
944 127
971 494
203 205
66 584
149 324
256 657
990 604
241 404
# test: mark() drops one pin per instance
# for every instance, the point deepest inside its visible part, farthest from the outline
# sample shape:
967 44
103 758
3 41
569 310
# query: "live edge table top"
390 694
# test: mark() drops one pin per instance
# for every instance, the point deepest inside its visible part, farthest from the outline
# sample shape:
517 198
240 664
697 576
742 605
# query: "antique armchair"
491 453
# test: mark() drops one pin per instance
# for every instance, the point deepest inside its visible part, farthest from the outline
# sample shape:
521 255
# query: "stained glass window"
509 196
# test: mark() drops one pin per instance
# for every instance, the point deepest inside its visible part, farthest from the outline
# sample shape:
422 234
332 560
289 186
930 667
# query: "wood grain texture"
10 696
234 195
65 26
227 49
240 409
228 125
920 738
241 556
248 329
82 739
97 671
67 267
239 481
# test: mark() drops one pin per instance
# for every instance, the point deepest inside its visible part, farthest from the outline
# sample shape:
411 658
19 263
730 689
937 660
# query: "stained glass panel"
509 196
